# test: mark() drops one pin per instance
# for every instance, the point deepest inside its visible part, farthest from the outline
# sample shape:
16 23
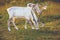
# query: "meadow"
50 17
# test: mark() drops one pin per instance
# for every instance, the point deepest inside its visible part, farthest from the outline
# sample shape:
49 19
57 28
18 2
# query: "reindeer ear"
29 5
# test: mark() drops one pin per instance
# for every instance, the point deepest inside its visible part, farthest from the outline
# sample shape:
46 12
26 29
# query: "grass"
51 30
29 34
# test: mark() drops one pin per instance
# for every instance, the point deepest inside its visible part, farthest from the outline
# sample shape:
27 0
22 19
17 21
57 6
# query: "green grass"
29 34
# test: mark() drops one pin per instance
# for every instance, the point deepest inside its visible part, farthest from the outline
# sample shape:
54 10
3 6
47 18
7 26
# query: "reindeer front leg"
25 24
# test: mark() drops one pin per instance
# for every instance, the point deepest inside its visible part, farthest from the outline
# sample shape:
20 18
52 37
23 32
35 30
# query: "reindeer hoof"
9 29
33 28
37 28
16 28
25 27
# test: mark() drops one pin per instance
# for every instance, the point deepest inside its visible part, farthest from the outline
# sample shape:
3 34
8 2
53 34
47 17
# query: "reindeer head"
36 7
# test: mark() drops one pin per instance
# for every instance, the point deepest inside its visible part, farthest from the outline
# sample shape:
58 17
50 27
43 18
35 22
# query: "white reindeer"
22 12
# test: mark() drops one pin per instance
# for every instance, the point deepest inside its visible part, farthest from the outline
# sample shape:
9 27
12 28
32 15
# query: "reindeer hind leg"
14 24
9 20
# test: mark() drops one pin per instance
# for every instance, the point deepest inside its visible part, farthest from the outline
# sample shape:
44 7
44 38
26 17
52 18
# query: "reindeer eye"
30 5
